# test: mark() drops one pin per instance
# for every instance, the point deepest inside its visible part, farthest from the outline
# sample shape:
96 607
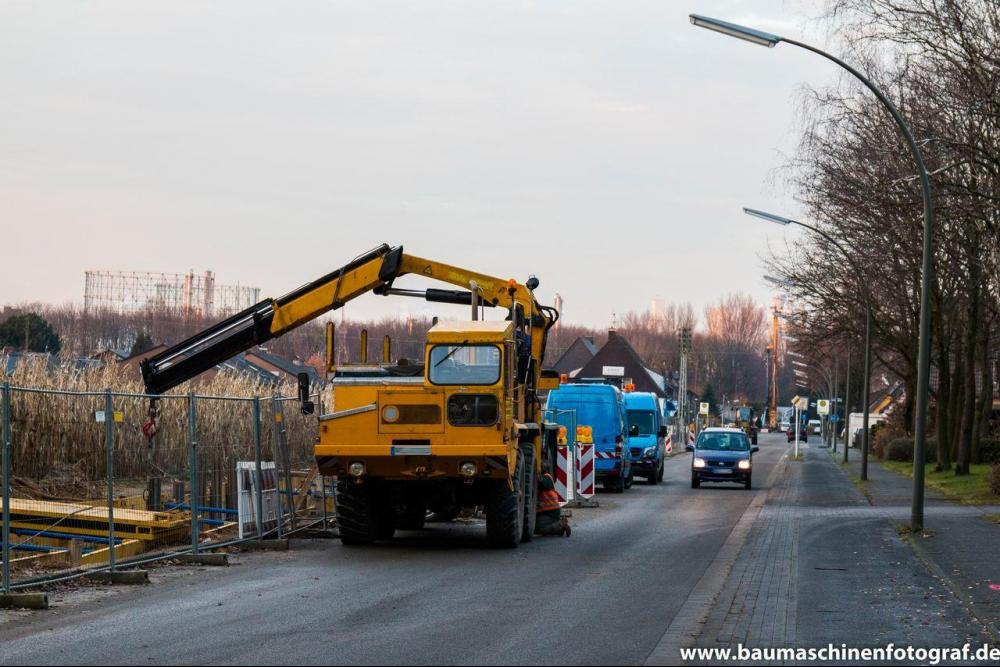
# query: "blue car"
599 406
646 435
722 455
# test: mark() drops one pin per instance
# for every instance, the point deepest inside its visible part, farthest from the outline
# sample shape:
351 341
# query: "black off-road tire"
530 492
505 510
357 522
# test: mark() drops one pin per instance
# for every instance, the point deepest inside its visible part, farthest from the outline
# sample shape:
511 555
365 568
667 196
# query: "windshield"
724 442
644 419
464 364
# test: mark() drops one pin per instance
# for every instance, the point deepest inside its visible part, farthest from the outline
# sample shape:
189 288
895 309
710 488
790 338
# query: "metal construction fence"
91 482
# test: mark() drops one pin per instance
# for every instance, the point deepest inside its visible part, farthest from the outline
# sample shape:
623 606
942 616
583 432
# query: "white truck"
856 420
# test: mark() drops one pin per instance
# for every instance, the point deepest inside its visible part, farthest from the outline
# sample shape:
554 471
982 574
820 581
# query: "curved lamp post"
923 360
867 295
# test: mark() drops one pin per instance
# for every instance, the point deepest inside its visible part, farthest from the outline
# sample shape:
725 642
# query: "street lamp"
866 293
923 357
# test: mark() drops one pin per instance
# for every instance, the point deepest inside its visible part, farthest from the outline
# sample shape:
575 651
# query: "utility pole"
682 389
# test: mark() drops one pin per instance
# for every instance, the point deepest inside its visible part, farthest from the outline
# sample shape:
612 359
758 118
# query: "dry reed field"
58 447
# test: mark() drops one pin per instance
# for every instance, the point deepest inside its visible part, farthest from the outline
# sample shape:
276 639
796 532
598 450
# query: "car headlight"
650 451
744 464
390 414
699 463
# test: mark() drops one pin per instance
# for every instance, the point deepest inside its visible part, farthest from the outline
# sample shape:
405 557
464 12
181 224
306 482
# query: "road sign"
703 409
801 402
823 406
613 371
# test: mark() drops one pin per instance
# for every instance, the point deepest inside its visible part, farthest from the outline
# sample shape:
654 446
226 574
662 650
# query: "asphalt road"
604 596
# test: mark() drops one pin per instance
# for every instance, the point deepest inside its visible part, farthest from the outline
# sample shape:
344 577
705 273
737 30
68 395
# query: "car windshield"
724 442
464 364
644 419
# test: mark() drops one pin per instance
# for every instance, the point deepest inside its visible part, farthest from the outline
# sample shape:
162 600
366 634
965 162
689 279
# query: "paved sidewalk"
821 565
962 543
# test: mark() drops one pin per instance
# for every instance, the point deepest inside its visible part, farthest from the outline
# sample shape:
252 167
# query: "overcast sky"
607 147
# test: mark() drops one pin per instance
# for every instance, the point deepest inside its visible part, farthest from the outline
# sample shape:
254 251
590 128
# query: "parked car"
816 426
646 435
601 407
722 455
803 434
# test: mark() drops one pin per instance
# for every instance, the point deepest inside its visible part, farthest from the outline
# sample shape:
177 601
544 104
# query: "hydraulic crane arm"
373 271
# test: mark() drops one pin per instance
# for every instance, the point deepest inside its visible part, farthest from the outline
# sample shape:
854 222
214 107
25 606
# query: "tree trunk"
985 407
943 405
969 400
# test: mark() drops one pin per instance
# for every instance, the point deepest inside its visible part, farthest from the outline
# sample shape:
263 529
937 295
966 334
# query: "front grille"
636 453
722 464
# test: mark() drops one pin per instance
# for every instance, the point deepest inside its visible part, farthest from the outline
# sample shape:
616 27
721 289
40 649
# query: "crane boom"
373 271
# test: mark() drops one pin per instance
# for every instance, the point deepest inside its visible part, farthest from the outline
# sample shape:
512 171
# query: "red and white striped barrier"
668 444
690 437
605 455
585 471
563 481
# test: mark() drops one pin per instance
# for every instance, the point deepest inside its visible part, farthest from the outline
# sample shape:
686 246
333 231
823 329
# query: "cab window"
464 364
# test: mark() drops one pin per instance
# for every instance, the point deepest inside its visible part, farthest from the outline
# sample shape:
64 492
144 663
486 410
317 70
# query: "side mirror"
307 405
690 448
633 430
754 449
663 432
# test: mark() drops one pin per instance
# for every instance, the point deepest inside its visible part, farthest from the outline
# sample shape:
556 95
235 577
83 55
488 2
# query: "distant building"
575 357
618 363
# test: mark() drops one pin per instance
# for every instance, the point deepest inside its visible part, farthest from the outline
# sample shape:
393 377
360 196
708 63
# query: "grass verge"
972 489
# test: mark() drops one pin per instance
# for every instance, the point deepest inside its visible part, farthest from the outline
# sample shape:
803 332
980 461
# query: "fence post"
6 488
195 495
276 452
109 445
258 473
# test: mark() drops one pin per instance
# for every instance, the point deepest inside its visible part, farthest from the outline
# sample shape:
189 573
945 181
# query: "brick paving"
821 565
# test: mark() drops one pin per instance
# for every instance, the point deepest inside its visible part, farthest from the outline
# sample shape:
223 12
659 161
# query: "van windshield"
724 442
602 416
644 419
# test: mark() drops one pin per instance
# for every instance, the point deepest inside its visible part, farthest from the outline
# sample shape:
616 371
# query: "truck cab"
436 436
646 435
602 408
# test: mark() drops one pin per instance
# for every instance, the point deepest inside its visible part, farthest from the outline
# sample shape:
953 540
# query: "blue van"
646 435
599 406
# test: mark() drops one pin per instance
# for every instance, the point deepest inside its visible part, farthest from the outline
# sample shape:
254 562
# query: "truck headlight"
467 469
744 464
699 463
650 451
356 469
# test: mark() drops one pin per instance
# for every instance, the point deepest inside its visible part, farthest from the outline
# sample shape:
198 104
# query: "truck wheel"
505 510
659 474
530 493
356 519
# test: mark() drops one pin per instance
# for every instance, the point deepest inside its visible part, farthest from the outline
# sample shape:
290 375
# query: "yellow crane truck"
460 428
